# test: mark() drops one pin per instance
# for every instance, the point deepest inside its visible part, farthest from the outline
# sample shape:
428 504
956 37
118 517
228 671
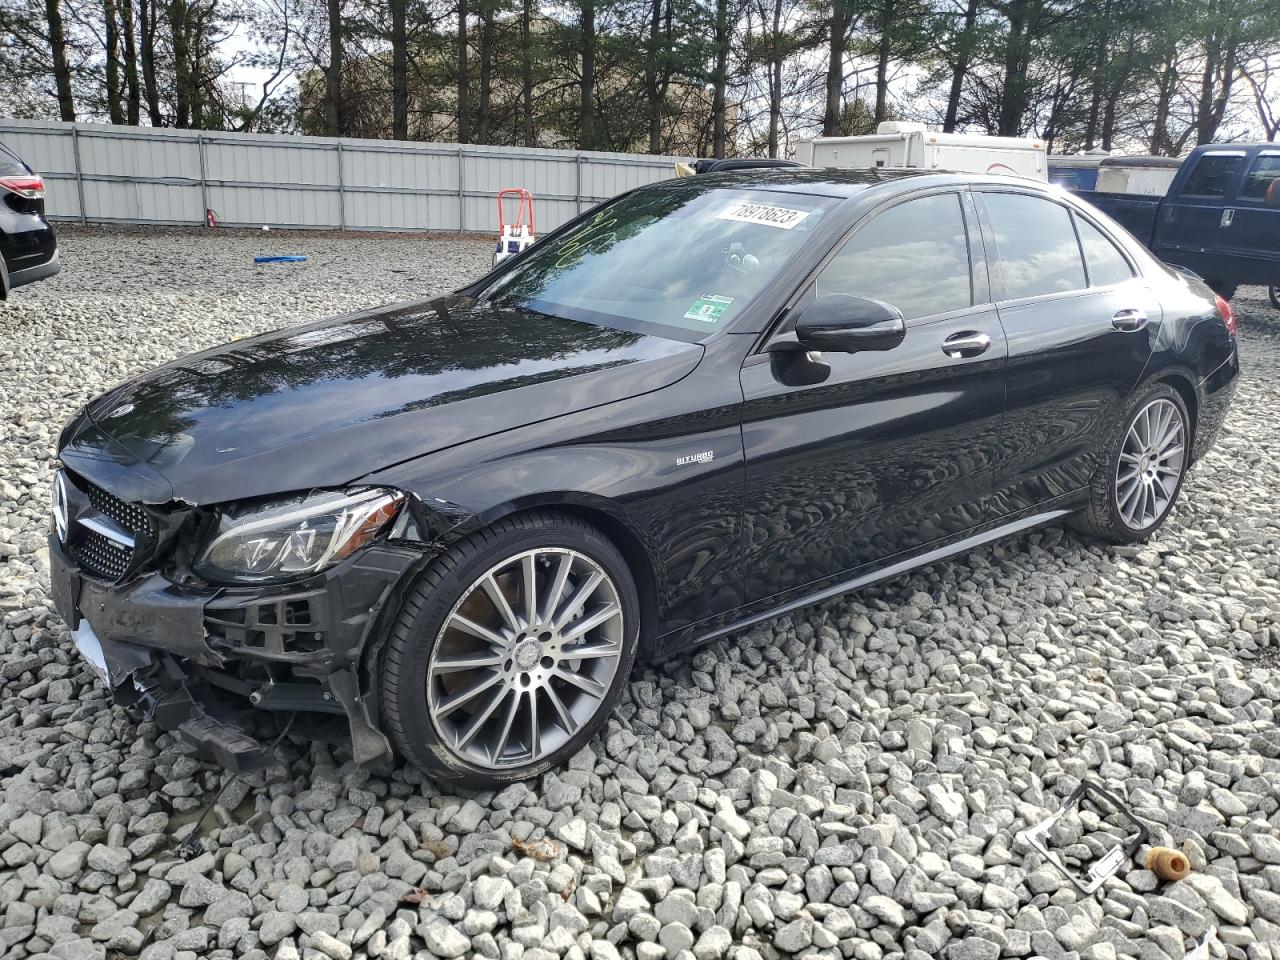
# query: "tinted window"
914 256
1037 246
1106 264
1264 171
1212 175
678 260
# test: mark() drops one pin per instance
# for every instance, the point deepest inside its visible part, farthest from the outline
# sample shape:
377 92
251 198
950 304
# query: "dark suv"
28 248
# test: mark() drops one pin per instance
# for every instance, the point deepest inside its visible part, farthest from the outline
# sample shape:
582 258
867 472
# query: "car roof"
714 165
832 182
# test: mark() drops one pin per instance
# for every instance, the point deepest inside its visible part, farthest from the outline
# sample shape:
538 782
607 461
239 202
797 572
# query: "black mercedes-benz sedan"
28 248
453 525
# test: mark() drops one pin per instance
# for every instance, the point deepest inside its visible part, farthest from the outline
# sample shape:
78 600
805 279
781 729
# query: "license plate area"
1097 811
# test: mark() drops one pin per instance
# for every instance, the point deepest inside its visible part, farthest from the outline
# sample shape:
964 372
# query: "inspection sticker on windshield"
708 309
782 217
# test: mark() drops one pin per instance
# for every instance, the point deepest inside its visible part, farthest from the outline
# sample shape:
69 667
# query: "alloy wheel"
525 658
1151 463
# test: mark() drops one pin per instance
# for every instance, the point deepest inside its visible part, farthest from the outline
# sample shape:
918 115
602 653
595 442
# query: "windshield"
682 260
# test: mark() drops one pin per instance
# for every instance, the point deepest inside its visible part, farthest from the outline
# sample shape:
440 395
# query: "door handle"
1129 320
969 344
1228 217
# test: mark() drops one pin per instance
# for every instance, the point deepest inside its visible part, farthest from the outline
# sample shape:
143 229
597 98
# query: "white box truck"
900 145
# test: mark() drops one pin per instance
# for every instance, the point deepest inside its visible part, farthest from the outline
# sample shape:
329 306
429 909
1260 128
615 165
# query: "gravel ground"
848 781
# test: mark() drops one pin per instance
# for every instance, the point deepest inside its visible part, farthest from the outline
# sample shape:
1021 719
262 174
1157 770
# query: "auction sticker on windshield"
708 309
782 217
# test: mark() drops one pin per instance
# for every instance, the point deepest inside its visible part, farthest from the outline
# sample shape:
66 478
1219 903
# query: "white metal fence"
104 174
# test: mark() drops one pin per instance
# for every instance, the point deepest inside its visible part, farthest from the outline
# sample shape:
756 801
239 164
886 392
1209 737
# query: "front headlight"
295 536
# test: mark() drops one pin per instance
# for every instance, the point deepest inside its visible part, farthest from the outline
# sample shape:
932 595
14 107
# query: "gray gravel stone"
276 925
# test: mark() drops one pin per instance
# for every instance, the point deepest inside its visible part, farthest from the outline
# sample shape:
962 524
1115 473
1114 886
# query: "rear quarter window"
1107 264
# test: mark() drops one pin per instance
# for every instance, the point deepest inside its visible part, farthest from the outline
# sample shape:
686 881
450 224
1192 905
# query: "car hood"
326 403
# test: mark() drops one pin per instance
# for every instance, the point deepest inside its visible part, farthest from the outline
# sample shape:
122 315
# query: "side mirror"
845 324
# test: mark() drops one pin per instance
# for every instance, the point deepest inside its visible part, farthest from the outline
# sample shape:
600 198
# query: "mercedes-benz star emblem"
60 512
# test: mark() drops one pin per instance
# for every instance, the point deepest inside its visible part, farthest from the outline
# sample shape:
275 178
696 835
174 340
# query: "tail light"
1228 315
29 187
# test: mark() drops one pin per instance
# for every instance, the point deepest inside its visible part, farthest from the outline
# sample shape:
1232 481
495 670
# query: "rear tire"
1145 460
485 680
1273 294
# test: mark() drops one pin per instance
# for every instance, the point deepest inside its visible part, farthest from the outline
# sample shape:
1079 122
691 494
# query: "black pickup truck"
1220 218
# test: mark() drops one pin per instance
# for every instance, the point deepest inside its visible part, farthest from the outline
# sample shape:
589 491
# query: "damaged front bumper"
209 663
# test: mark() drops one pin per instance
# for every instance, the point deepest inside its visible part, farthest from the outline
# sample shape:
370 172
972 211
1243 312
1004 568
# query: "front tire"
510 651
1139 478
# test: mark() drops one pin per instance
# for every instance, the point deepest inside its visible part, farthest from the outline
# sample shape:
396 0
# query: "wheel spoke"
603 615
529 586
459 622
504 736
499 601
557 585
1130 501
566 718
581 682
579 599
535 738
1162 493
1162 417
467 694
481 718
591 652
1171 452
472 662
1127 495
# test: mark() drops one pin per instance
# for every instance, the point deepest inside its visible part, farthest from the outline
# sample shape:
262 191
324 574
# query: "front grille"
98 554
131 516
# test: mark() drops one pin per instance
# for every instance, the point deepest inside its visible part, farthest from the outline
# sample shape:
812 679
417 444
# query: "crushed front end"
214 662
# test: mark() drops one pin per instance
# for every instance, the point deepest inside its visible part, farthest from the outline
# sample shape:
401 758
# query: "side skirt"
673 644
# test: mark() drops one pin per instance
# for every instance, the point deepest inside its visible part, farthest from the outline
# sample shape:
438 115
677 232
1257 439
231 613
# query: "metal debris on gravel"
844 782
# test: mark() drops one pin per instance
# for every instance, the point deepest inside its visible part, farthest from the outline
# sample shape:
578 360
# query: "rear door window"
1212 175
1036 245
1107 265
1264 172
914 255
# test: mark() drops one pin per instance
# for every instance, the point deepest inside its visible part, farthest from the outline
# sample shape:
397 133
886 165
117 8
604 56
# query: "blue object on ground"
287 258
